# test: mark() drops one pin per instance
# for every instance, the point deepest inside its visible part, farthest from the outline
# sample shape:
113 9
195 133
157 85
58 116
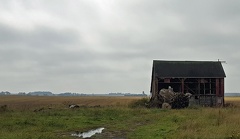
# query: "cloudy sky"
102 46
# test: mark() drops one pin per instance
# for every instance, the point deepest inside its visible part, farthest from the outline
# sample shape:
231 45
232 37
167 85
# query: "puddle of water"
89 133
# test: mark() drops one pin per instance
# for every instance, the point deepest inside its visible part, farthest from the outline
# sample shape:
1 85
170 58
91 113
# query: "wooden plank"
182 85
217 87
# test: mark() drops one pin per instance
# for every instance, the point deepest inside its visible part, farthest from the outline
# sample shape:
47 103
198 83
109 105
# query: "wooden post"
210 86
217 87
155 87
221 87
182 85
199 81
222 90
199 86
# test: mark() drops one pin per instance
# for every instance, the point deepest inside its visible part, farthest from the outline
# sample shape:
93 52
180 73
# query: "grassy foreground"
49 118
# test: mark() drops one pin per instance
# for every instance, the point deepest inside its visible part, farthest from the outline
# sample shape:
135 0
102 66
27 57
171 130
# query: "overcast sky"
102 46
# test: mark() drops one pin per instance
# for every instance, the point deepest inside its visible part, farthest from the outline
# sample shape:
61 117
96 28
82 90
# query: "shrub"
3 108
139 103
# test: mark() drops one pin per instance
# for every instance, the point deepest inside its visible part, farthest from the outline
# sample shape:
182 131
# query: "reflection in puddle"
89 133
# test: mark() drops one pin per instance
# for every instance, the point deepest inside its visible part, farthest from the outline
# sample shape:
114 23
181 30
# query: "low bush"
139 103
3 108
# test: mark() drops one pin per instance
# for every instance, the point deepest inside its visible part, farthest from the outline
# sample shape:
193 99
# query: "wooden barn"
203 79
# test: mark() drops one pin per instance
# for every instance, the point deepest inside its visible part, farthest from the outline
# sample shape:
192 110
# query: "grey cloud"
8 35
114 48
199 20
39 37
38 44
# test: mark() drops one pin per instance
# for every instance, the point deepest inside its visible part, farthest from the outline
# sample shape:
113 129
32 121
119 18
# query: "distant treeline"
232 94
48 93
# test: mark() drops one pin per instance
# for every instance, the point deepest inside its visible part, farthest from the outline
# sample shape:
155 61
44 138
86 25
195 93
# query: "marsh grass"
121 119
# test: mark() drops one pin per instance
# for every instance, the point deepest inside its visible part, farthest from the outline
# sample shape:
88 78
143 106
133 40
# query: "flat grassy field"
28 117
33 102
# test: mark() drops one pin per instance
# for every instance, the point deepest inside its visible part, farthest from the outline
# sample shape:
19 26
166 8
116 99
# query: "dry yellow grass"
232 98
234 101
28 102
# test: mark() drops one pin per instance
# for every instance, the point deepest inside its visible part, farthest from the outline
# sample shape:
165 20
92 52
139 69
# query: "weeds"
122 120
